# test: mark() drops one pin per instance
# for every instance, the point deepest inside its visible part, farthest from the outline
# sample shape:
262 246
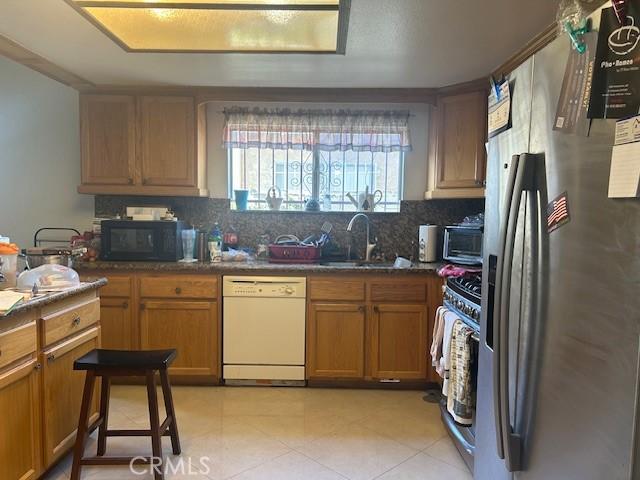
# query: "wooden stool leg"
156 439
168 404
104 415
81 436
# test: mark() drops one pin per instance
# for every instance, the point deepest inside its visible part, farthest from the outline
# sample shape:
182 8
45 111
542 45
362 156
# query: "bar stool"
123 363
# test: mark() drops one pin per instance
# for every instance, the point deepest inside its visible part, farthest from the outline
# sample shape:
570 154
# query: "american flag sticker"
558 213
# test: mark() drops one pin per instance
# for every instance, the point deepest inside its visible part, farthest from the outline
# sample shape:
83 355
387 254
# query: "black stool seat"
125 359
118 363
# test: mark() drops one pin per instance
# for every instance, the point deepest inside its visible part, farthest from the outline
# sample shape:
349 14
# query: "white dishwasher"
263 330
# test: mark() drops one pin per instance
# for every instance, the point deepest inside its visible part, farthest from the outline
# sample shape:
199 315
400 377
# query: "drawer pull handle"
51 358
125 304
75 322
178 290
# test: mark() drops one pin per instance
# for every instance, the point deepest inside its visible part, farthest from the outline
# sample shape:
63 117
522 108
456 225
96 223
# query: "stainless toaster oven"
462 244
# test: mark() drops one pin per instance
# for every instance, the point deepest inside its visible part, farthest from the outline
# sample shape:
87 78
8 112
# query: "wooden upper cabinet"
457 161
108 139
168 141
143 145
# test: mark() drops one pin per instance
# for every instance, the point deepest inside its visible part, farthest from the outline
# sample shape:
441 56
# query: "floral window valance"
326 130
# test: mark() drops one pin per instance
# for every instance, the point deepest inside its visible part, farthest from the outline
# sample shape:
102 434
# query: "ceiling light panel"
261 26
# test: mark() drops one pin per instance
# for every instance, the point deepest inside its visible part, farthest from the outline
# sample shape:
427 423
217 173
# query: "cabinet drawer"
17 343
179 287
336 289
398 292
117 287
70 321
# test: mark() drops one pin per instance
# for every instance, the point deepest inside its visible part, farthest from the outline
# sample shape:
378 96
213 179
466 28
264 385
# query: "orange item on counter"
8 248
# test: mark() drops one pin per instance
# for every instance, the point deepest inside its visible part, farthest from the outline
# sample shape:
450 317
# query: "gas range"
464 296
470 287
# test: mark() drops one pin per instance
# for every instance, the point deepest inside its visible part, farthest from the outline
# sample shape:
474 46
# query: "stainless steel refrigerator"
560 329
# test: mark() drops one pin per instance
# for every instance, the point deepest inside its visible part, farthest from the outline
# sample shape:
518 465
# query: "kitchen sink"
341 264
352 264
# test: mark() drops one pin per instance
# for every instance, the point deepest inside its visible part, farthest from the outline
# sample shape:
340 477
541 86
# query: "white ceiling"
391 43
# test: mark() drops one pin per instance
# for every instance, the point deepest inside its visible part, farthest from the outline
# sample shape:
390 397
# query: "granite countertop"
253 268
47 298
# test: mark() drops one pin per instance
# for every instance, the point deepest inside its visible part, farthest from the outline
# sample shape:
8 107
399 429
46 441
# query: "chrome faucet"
370 245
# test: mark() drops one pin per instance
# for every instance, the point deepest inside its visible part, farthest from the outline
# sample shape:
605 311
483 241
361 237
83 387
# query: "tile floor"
249 433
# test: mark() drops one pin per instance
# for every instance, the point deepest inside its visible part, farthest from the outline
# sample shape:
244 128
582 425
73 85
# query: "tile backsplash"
395 232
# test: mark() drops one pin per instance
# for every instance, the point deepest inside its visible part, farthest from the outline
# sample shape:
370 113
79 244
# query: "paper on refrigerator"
624 177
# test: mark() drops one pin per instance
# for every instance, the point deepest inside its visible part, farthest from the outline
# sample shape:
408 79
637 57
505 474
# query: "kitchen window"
317 155
324 176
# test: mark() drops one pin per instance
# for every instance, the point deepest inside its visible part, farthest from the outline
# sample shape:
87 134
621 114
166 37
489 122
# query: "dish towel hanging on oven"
437 337
460 393
449 320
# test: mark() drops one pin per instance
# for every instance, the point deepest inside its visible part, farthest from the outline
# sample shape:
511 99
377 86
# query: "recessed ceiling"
391 43
265 26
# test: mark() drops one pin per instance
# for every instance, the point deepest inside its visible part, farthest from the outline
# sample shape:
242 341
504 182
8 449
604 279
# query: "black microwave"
132 240
463 244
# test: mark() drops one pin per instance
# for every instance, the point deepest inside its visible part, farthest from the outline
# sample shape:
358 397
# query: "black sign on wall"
615 91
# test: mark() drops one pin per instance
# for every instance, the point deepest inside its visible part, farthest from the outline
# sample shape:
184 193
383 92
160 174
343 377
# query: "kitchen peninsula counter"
41 300
40 393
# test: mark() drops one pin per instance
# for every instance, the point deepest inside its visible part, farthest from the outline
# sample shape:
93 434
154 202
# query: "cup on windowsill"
242 199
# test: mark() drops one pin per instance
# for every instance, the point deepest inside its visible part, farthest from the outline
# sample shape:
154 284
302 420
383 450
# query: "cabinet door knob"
75 322
37 366
130 181
145 181
178 290
376 309
142 306
51 358
361 308
125 304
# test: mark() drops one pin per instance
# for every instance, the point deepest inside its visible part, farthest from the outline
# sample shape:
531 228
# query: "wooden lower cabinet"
20 455
117 324
335 341
379 330
399 341
62 392
188 326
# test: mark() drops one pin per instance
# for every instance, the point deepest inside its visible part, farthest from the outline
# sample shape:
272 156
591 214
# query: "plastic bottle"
215 244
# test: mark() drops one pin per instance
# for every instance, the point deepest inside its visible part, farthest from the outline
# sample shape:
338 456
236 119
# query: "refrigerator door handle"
524 181
500 270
